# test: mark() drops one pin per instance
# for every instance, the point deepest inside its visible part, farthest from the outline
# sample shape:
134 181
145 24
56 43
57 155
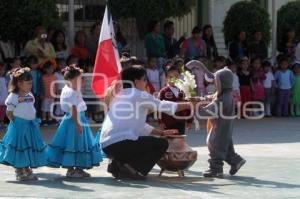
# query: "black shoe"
44 123
113 169
125 172
212 174
235 168
52 122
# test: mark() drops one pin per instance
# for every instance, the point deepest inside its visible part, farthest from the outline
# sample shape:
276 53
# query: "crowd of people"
257 79
275 84
28 92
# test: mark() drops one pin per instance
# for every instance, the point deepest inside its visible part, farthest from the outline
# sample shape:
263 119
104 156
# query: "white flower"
187 84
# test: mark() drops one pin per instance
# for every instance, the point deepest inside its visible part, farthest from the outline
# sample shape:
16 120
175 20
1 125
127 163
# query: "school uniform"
285 81
173 94
268 92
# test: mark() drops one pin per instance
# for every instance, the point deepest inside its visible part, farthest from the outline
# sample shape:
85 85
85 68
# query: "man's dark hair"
132 73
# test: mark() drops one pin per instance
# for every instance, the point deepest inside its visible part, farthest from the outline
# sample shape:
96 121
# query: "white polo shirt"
126 118
21 106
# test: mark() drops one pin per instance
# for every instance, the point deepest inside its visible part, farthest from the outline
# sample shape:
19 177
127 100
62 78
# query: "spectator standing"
120 39
153 74
194 46
257 84
269 85
290 44
40 47
211 47
36 89
238 49
258 49
49 92
245 83
59 44
172 46
295 101
93 40
285 80
154 43
80 50
61 63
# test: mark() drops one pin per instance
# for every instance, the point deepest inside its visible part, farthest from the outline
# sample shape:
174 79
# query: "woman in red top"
80 50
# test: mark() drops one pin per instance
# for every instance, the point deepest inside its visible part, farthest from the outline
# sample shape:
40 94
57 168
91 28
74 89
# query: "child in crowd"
32 62
245 83
3 93
61 63
73 145
22 146
235 84
219 63
285 80
295 101
93 108
12 65
269 85
153 75
72 60
15 63
49 93
257 83
172 93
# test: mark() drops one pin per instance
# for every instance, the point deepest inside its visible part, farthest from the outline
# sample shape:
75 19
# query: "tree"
20 17
288 18
144 11
249 17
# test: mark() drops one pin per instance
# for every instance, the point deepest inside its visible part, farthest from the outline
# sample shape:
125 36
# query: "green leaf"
247 16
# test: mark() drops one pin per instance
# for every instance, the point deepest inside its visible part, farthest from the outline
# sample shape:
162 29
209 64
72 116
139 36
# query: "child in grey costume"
221 114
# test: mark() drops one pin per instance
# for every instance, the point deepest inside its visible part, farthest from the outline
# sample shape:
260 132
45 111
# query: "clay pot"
179 156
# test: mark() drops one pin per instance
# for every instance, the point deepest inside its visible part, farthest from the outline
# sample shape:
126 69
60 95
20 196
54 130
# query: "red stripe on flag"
105 68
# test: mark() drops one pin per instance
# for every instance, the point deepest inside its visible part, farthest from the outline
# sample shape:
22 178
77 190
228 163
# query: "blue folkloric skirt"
68 148
22 146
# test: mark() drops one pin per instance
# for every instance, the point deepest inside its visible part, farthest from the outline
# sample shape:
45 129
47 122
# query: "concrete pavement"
270 146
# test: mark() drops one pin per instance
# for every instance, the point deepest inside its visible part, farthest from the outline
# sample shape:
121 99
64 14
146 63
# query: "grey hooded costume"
221 114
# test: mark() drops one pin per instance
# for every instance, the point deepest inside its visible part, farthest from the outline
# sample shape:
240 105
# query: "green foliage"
247 16
146 10
18 18
288 17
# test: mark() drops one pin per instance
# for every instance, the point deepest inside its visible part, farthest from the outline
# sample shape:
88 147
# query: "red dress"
258 90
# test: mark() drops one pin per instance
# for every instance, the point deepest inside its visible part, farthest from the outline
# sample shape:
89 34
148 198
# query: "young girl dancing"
22 146
73 145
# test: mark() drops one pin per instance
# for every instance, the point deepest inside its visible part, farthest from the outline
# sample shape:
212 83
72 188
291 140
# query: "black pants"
141 154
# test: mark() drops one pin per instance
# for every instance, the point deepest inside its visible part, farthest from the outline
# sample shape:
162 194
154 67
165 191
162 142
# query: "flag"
107 66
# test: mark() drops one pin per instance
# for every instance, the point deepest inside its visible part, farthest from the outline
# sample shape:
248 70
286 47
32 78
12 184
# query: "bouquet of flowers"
187 84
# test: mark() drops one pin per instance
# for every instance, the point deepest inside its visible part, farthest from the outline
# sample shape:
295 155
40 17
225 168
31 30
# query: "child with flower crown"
22 147
73 146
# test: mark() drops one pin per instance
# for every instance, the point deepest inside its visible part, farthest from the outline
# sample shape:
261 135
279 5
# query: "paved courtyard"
270 146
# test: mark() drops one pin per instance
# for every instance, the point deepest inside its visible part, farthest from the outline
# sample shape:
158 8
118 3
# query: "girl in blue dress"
73 146
22 147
